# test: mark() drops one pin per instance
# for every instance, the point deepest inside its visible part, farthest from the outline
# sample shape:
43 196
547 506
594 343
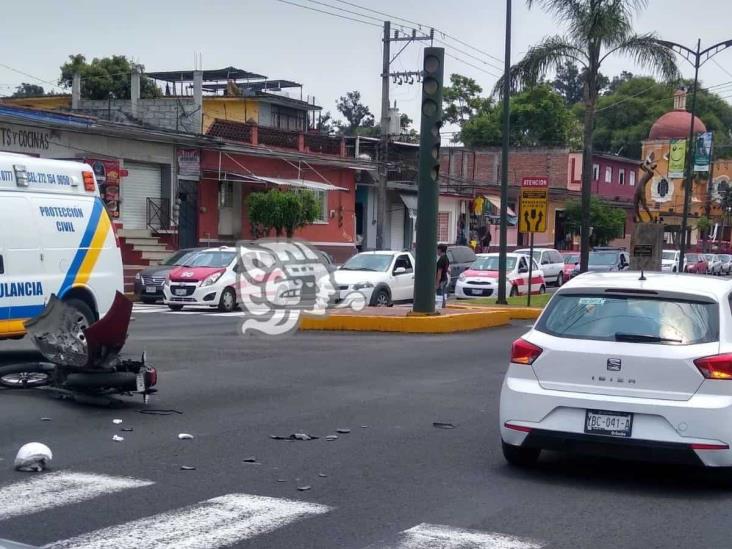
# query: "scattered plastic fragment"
33 456
331 437
303 488
281 480
364 426
45 419
343 431
116 421
118 438
441 425
294 436
322 475
185 436
154 412
187 468
250 460
127 429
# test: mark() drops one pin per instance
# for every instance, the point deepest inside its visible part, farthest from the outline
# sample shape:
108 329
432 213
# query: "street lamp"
503 229
697 58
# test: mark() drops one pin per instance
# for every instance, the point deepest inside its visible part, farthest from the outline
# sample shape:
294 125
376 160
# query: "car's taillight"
716 366
151 377
89 183
523 352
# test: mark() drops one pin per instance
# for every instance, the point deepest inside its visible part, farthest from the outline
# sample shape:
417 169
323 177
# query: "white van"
55 238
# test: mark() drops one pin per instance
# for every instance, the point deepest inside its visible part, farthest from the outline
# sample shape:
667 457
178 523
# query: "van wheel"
518 456
560 280
175 307
84 316
227 303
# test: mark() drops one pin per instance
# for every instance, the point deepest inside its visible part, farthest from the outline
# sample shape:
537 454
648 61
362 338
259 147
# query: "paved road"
397 482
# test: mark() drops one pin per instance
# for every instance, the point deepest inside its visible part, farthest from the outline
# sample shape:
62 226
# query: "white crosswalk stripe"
52 490
432 536
217 522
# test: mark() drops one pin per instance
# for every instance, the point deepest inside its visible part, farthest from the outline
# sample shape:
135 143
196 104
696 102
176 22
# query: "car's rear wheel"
560 280
175 307
380 298
227 303
518 456
514 291
542 289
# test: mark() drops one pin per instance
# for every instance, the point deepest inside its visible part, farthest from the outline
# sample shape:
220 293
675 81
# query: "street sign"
533 205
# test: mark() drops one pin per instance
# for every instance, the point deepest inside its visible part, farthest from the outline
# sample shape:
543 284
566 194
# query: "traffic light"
428 180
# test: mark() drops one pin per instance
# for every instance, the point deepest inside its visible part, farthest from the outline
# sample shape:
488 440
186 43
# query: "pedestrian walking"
443 272
485 243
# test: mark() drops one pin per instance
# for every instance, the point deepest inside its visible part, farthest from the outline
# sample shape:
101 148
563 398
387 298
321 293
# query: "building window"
608 174
631 178
322 197
226 194
621 177
443 227
595 172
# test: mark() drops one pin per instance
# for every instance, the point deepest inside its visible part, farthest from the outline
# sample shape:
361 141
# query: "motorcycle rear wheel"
26 376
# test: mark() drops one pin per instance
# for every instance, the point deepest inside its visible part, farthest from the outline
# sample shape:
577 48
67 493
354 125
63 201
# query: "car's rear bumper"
662 430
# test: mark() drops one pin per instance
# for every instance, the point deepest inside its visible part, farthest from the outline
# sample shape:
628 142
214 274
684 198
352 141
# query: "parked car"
624 367
670 261
481 280
726 260
460 258
383 277
606 260
695 263
149 282
571 260
551 263
714 264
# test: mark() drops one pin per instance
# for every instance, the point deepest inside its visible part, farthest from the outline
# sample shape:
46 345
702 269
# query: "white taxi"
481 278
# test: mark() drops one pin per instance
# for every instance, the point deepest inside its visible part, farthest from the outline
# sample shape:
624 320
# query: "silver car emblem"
614 364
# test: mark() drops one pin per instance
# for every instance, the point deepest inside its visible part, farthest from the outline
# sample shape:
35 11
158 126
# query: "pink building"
613 177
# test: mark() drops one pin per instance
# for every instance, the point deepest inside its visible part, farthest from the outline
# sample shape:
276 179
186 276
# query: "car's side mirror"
400 270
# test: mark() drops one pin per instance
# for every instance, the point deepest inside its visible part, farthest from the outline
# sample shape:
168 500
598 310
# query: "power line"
725 71
476 67
345 10
420 25
54 84
330 13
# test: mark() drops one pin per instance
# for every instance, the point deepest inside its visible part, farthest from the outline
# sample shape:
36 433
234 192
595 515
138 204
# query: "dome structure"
675 124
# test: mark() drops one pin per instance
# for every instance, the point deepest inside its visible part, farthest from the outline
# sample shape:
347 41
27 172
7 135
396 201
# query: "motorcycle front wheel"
26 376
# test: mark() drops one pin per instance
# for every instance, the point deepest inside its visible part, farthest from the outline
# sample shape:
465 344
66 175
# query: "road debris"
343 431
153 412
364 426
294 436
118 438
331 437
127 429
116 421
303 488
187 468
185 436
322 475
443 425
250 460
281 480
46 419
33 457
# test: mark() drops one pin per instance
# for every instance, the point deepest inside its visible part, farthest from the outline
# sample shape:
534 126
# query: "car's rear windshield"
490 263
571 259
603 258
630 318
692 257
368 262
211 259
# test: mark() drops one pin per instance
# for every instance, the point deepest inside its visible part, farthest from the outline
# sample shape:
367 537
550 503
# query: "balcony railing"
278 138
324 144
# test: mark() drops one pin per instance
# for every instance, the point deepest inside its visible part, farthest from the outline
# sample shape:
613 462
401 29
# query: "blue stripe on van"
83 248
15 312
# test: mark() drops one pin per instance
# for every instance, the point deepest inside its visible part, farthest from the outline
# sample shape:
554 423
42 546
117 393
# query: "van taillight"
523 352
89 183
716 366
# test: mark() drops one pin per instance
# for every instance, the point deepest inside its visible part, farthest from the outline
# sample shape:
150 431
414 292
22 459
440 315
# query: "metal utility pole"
503 228
384 140
697 58
428 180
386 62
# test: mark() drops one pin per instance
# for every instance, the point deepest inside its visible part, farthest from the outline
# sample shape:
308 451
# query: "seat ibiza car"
624 366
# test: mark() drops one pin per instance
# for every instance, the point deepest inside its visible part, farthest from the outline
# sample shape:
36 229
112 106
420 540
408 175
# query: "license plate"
180 291
150 289
614 424
141 381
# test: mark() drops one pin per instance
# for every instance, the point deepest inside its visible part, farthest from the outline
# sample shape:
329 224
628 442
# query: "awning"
495 213
302 183
497 205
410 201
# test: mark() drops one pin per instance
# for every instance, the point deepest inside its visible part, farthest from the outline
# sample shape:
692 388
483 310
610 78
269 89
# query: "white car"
625 367
714 264
726 260
383 277
551 263
670 261
481 279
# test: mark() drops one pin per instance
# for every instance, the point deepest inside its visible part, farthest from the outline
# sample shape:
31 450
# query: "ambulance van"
55 238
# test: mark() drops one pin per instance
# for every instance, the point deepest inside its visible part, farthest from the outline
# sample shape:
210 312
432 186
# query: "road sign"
533 206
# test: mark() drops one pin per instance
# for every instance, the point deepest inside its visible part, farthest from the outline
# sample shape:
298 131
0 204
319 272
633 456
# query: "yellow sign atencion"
533 210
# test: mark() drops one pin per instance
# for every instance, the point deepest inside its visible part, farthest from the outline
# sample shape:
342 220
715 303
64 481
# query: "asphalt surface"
392 472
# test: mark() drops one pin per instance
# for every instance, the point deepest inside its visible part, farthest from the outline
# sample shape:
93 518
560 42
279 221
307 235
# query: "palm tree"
596 30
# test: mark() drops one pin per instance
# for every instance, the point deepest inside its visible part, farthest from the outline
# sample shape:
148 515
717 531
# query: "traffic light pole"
428 182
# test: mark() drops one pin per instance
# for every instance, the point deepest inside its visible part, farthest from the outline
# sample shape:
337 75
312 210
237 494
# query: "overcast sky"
327 54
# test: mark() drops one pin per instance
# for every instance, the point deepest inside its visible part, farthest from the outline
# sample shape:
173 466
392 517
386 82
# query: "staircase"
140 249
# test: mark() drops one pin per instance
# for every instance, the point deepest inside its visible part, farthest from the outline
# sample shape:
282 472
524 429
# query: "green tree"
461 100
606 221
596 30
357 114
105 76
282 211
539 117
569 82
29 90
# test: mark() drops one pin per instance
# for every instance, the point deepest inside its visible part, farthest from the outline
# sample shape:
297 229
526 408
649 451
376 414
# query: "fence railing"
278 138
158 214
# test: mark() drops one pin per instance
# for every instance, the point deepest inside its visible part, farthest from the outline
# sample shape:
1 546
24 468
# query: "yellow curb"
515 313
474 320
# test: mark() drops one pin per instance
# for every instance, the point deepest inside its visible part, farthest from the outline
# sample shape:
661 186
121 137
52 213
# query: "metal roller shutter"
142 181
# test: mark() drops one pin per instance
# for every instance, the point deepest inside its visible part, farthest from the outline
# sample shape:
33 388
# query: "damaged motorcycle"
83 361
